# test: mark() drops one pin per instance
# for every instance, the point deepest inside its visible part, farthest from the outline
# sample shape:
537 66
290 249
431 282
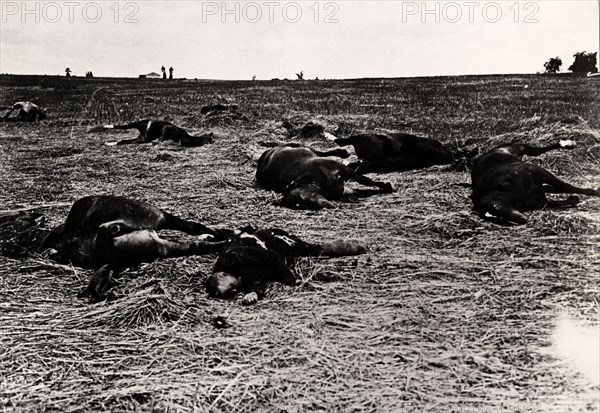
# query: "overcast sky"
341 39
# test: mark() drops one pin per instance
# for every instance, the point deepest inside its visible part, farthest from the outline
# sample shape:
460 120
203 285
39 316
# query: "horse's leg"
140 125
10 111
340 153
348 173
554 185
100 283
139 139
520 149
189 227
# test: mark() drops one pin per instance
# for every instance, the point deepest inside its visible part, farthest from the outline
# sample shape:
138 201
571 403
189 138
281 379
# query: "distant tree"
253 78
553 65
171 73
584 63
300 75
164 72
68 72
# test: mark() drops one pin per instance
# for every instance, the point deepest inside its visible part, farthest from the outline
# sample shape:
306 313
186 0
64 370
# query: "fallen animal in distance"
26 112
153 130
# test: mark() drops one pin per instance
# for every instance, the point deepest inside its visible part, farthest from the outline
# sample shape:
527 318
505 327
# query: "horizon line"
288 79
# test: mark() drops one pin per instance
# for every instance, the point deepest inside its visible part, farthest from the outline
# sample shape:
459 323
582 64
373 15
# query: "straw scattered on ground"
447 312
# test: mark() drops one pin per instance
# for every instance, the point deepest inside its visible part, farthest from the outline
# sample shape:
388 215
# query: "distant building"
151 75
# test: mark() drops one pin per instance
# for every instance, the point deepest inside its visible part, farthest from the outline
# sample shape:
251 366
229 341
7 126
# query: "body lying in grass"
152 130
110 233
395 152
255 258
504 186
26 112
307 179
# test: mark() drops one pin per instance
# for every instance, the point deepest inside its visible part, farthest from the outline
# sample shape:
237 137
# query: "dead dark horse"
395 152
27 112
110 233
151 130
307 180
504 186
255 258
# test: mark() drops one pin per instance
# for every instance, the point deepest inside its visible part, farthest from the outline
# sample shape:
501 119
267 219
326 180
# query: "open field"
446 313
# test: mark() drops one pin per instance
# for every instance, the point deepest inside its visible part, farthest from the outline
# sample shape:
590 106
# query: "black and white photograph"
350 206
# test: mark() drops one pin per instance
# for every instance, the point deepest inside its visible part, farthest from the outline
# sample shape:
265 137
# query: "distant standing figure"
164 72
68 72
171 73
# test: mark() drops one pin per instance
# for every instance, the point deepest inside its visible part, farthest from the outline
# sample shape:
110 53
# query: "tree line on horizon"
584 63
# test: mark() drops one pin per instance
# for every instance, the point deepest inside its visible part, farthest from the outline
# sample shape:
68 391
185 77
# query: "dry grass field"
447 313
